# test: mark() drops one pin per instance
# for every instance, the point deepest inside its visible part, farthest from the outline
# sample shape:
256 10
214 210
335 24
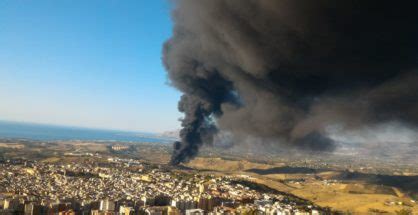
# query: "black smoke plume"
286 69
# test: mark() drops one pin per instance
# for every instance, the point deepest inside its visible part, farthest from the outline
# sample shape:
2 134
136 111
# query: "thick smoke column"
285 70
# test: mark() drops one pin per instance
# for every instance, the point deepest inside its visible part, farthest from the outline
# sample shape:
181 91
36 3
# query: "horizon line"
75 126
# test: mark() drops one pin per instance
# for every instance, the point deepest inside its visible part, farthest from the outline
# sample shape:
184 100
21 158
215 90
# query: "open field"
12 145
337 197
327 188
220 164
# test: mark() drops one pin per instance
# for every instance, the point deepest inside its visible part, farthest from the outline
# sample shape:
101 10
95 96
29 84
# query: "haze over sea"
19 130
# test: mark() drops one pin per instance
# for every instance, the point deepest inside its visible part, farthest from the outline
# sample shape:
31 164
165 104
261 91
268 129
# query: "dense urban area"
126 186
79 177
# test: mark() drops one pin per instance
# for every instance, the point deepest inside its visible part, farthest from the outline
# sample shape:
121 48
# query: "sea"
41 132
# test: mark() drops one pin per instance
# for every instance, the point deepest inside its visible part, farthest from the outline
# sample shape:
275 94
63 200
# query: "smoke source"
285 70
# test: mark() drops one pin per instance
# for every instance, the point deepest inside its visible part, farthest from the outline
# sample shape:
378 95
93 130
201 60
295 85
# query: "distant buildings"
119 147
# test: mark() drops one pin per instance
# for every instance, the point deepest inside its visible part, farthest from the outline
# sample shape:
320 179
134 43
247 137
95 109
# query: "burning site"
286 71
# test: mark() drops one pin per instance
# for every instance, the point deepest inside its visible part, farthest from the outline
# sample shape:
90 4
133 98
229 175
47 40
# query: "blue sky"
94 63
